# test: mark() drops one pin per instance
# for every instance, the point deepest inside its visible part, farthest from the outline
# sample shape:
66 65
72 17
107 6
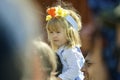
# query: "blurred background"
97 15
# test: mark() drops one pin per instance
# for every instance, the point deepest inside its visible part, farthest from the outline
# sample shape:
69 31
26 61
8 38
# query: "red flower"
51 12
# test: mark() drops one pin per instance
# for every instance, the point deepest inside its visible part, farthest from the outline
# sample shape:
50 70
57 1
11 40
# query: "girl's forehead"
55 28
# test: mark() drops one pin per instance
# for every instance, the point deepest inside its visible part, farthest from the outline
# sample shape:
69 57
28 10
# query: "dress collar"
60 49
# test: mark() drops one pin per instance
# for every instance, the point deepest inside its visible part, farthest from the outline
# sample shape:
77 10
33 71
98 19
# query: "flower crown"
56 12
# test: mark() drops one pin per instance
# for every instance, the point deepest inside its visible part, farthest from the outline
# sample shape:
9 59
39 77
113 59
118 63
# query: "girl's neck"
61 46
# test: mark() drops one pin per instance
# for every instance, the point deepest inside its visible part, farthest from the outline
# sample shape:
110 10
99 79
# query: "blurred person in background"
101 64
101 11
97 66
46 61
110 29
94 67
19 24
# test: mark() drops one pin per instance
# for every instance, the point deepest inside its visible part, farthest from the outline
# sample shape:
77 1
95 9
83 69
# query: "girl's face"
58 37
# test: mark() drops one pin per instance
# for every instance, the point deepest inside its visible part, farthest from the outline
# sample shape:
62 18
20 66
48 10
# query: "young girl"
62 28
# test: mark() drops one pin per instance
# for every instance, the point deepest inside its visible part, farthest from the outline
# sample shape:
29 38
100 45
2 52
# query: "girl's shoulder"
73 52
73 49
68 49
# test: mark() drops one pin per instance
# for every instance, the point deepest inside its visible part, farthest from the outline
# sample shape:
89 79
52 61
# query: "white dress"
72 61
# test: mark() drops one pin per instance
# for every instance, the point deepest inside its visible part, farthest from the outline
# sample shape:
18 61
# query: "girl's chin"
58 45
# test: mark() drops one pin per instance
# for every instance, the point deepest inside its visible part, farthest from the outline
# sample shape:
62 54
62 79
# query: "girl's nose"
54 35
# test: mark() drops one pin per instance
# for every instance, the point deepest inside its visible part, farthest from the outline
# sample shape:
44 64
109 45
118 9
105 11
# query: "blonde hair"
72 35
47 57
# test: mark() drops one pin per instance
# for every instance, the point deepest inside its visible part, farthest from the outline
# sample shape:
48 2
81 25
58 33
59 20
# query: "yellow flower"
60 12
56 12
64 13
48 17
